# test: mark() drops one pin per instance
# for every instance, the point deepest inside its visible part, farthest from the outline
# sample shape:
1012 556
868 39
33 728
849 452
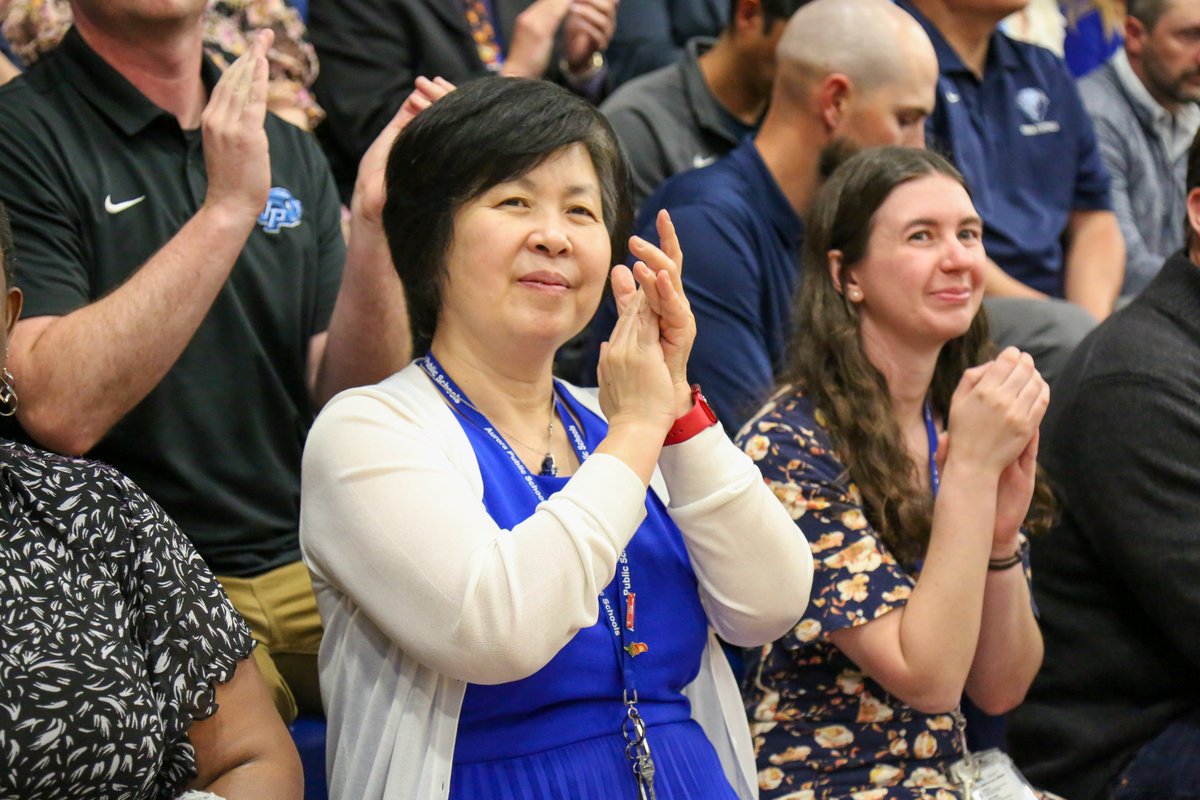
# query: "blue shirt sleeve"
1091 177
730 359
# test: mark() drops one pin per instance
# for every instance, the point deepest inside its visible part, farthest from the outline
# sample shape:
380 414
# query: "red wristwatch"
701 416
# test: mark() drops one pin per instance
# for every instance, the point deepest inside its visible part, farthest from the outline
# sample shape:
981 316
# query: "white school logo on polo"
1034 104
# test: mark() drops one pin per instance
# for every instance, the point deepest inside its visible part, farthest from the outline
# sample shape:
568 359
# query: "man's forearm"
80 373
368 331
998 283
1095 262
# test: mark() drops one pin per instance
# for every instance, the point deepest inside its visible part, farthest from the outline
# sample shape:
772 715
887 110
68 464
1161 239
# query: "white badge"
991 775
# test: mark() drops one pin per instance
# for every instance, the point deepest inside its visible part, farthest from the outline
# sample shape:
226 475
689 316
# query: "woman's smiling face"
529 256
921 279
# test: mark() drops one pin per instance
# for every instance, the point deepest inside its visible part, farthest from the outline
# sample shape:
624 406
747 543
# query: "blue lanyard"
621 601
932 434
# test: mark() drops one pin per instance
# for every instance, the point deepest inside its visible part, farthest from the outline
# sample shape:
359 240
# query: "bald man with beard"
851 74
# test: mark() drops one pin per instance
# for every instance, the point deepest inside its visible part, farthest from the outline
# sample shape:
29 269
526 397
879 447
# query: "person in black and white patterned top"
124 670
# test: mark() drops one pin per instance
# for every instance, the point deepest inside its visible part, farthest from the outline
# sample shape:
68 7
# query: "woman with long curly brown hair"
909 460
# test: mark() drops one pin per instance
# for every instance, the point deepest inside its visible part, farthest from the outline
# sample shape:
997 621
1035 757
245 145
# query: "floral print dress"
822 729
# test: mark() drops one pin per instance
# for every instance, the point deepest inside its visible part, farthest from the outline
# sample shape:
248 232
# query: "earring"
854 294
8 394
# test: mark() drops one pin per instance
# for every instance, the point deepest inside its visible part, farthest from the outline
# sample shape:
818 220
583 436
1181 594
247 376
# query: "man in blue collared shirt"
859 72
1010 118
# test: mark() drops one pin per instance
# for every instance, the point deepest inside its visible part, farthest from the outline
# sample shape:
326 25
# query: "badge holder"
637 749
989 775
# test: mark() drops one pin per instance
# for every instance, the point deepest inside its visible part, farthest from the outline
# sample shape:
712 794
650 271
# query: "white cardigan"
422 593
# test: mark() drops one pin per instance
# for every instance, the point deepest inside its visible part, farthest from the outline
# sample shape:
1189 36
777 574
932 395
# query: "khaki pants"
281 610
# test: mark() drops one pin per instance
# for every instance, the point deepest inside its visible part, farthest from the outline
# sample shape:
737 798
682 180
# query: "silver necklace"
548 468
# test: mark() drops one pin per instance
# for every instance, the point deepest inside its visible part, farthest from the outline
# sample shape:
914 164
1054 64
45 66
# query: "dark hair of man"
6 249
830 365
772 10
489 131
1148 12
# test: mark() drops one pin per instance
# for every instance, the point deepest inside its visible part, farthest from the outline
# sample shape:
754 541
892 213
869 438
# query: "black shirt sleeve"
49 244
1132 483
332 256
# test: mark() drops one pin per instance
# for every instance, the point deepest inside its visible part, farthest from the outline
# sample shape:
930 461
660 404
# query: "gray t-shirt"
669 122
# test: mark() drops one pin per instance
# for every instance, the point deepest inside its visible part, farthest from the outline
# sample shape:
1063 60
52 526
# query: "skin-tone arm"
998 283
80 373
1095 261
354 352
8 70
1010 649
925 652
243 751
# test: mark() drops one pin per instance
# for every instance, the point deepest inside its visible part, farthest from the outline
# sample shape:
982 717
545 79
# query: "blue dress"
557 733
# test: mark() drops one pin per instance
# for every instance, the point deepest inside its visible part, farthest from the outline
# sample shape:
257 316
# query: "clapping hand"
236 153
589 28
369 189
533 36
995 414
635 382
659 273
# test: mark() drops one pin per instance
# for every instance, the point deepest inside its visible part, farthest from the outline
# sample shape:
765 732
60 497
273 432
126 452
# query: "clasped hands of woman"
996 413
642 371
518 568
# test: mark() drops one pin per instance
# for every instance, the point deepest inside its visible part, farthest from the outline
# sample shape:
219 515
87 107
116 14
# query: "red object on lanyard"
630 598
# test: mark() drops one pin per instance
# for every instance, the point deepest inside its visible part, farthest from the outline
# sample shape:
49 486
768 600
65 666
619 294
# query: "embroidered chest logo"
1034 104
283 211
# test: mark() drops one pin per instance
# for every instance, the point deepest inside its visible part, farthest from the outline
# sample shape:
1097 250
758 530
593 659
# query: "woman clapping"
908 459
520 581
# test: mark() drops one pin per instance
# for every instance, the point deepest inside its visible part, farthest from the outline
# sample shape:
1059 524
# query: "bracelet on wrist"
1001 564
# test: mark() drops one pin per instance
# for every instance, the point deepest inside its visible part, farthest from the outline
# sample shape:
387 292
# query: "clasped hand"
643 366
587 27
995 416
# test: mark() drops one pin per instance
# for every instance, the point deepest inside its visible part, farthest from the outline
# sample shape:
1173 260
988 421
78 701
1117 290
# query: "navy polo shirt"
741 254
97 179
1026 146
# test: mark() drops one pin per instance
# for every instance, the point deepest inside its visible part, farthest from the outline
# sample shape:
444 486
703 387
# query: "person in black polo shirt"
187 311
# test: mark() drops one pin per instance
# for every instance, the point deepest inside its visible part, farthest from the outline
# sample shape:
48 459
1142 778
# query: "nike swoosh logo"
117 208
700 161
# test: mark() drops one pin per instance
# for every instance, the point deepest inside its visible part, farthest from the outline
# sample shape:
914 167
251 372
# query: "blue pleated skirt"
686 768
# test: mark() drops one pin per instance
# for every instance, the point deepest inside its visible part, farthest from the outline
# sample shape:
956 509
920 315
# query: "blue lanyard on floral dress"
620 602
932 434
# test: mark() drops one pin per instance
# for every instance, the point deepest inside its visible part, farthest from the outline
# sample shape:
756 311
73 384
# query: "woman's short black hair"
489 131
6 249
